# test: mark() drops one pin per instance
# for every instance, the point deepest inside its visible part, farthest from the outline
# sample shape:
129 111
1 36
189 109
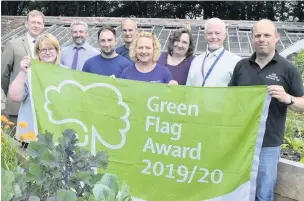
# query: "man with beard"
215 66
108 62
13 53
129 30
76 54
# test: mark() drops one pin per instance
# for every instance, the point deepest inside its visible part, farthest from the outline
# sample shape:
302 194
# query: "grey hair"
215 20
79 22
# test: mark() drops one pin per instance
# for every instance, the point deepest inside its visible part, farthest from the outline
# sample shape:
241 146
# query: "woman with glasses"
145 51
47 49
179 56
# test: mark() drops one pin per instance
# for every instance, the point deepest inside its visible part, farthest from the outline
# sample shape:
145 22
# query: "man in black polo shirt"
285 85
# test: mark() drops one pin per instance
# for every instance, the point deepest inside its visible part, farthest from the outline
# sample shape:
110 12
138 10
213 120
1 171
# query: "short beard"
107 53
212 48
82 42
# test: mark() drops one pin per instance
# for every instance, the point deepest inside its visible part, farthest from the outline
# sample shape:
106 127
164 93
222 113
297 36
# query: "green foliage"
284 146
229 10
61 172
294 133
13 184
9 160
296 144
108 187
294 126
300 62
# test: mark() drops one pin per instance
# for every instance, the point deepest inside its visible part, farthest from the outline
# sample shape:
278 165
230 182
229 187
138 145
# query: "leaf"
125 193
36 173
71 135
17 191
20 178
35 189
34 198
103 192
92 198
35 150
50 158
63 195
85 177
302 160
284 146
46 139
111 181
51 199
7 180
96 178
68 141
101 160
57 174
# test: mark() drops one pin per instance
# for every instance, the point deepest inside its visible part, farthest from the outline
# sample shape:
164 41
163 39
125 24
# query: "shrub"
62 171
9 159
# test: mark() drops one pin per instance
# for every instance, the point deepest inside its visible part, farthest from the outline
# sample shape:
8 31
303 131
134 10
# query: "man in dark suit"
13 53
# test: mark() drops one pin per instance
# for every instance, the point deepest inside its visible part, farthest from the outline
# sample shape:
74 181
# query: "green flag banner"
169 143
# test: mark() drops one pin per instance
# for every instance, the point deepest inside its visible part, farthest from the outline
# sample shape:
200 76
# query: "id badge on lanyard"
211 68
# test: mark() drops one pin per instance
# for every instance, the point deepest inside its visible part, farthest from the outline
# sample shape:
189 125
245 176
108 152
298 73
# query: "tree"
231 10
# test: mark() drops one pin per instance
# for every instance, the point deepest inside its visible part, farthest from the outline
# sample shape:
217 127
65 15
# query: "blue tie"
75 59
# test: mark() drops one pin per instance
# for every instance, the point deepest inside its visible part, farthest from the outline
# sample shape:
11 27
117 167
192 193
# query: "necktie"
75 59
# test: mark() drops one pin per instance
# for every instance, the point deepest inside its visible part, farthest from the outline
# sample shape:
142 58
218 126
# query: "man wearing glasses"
75 55
13 53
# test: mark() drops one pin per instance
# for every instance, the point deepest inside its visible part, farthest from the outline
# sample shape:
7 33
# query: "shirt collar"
30 38
275 57
85 45
125 47
216 52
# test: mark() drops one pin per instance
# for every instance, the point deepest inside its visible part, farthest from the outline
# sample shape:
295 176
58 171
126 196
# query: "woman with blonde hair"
47 49
145 51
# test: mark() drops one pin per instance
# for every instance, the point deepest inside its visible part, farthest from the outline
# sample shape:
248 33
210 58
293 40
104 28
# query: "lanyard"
211 68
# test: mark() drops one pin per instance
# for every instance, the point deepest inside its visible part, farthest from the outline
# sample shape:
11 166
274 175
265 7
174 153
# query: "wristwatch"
292 101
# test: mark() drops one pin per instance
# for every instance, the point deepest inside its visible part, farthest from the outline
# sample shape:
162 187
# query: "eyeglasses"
45 50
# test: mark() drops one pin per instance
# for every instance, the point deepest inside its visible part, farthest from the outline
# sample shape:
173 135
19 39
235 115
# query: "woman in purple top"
179 56
145 51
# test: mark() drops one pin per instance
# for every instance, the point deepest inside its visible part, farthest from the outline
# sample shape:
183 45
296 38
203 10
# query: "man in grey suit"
13 53
75 55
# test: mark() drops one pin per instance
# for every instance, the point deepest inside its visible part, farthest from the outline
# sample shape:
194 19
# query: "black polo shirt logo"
273 76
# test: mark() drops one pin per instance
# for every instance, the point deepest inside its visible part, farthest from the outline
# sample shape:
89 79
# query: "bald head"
264 38
129 21
265 23
129 29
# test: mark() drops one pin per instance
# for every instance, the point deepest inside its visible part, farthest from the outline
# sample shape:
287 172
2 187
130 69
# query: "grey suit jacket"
12 54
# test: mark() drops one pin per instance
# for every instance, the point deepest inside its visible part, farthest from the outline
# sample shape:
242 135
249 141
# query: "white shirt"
221 73
31 43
